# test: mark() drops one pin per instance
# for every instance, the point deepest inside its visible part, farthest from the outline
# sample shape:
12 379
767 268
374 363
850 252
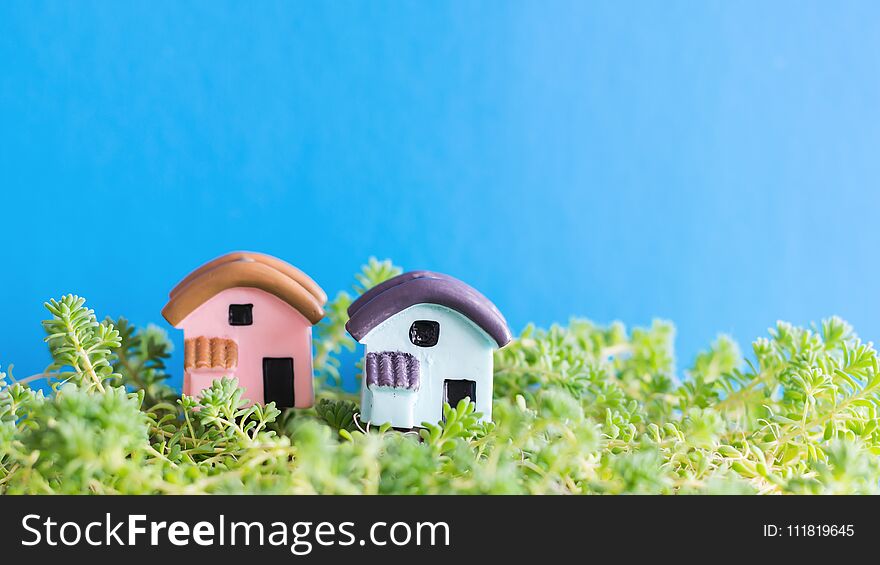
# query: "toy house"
429 340
249 316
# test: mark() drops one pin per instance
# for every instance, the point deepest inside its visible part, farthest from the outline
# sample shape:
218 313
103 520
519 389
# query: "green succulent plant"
581 408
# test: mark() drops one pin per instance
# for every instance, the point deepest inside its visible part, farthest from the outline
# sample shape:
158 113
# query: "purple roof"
425 287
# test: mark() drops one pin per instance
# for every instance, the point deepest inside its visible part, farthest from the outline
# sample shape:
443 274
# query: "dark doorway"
278 381
455 390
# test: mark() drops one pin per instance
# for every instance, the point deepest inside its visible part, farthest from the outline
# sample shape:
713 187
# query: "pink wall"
279 330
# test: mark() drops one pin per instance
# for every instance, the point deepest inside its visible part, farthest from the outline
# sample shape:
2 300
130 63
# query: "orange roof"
244 269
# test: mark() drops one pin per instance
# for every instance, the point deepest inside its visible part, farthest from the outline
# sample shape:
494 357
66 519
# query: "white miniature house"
429 340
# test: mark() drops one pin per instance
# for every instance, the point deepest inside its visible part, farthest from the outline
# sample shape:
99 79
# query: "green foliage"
338 414
139 361
580 408
459 423
80 344
79 440
332 338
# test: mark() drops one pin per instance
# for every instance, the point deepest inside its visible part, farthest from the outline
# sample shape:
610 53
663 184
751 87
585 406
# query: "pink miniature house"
249 316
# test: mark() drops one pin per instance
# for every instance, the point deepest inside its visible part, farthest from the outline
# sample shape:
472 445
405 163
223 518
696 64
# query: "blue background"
711 163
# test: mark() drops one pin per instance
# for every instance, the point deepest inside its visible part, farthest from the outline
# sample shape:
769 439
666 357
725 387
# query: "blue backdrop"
713 164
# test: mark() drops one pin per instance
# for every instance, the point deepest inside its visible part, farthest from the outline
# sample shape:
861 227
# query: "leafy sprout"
79 343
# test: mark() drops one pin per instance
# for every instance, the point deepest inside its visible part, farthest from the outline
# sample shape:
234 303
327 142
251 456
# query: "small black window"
241 314
424 333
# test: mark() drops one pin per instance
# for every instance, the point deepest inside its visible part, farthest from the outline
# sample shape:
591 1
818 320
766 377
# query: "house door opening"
278 381
455 390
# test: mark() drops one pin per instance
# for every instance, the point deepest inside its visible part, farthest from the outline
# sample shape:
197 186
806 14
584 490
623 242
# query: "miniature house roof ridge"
426 287
383 286
243 271
402 278
279 265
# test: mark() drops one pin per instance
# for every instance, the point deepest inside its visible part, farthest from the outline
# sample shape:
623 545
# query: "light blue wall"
715 163
463 352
